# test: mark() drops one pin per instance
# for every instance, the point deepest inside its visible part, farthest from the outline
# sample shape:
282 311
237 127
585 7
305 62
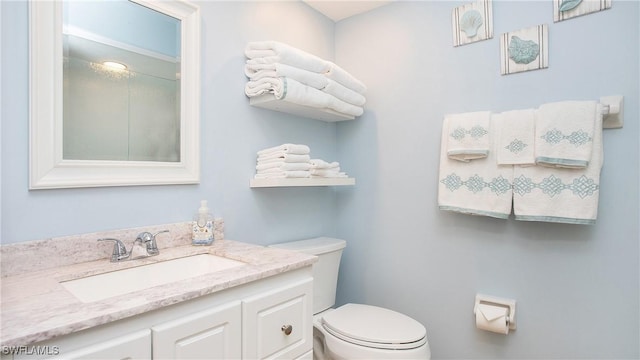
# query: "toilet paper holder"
496 301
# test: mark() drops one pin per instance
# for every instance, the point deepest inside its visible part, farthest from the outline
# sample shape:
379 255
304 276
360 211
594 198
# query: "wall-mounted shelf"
289 182
269 101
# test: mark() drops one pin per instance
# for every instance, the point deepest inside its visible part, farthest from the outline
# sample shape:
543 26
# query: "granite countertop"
36 307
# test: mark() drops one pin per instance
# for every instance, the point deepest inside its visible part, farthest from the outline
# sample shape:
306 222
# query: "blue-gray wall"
576 286
232 133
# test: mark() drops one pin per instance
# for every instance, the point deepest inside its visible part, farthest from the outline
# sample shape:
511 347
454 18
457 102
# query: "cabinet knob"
287 329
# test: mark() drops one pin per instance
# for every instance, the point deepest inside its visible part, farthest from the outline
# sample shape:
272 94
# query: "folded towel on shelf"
564 195
565 132
469 136
258 71
298 149
343 93
515 137
282 166
301 94
288 158
340 75
479 187
266 85
283 174
322 164
327 173
298 93
269 52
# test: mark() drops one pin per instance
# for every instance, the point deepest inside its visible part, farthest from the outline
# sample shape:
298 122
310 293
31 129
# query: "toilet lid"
373 326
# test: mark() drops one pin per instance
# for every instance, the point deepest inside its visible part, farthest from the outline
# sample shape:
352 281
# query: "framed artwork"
524 50
472 22
567 9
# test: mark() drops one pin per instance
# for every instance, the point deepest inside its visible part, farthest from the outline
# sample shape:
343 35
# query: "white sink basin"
119 282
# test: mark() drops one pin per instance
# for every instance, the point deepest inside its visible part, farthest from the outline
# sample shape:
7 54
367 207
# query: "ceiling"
337 10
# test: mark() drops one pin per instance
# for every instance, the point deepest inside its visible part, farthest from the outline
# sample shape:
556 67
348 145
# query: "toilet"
354 331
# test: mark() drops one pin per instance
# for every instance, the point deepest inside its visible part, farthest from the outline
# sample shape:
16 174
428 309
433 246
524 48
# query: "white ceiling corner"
337 10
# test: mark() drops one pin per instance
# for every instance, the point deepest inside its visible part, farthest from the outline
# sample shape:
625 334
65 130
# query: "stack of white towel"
322 168
284 161
294 161
302 78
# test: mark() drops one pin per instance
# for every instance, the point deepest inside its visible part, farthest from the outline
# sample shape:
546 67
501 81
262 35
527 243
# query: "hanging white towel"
258 71
469 135
561 195
340 75
298 149
270 52
515 137
565 132
478 187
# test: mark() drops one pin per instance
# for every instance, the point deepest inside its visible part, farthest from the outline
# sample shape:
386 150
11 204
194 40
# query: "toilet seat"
374 327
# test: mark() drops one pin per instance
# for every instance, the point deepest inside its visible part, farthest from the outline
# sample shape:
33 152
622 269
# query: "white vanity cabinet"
249 321
209 334
133 346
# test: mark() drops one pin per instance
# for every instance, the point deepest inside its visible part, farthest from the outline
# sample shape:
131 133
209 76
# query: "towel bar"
612 110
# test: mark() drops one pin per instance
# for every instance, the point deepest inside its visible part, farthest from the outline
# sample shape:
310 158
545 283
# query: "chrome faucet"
120 252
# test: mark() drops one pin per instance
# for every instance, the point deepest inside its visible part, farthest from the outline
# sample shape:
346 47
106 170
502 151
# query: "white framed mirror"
53 165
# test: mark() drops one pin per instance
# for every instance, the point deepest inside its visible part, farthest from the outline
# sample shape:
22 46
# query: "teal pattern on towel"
553 186
476 184
475 132
516 146
576 138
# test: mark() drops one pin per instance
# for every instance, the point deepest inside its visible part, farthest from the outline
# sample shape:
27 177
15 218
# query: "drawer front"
278 324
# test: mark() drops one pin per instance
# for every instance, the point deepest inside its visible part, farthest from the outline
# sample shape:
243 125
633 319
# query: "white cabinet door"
135 346
306 356
210 334
278 323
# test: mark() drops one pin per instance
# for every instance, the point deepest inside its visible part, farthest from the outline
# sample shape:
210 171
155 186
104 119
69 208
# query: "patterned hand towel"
468 136
479 187
564 133
561 195
515 137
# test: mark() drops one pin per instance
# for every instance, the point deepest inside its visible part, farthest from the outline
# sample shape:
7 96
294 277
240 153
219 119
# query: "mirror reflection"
121 82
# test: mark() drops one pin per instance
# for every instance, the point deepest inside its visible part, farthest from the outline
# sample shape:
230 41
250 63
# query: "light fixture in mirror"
161 148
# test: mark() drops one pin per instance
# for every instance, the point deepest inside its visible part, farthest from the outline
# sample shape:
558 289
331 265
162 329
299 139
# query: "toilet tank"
325 270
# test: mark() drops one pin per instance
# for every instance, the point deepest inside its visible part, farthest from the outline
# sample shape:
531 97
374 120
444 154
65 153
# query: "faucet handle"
119 250
150 240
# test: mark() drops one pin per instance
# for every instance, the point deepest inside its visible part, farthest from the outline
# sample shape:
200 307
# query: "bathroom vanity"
261 308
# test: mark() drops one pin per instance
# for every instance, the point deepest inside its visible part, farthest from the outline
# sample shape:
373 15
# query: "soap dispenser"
202 226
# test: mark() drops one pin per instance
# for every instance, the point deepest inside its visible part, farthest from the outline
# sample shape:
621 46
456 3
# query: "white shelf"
269 101
287 182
